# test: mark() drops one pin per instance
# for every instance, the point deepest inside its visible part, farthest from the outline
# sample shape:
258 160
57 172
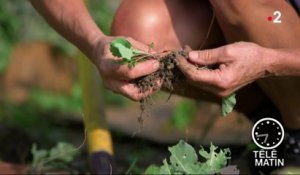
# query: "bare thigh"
172 24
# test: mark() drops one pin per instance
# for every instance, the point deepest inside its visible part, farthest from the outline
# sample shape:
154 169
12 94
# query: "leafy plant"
122 48
185 160
228 104
57 157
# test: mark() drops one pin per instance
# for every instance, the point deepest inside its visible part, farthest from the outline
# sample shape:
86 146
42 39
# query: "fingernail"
193 54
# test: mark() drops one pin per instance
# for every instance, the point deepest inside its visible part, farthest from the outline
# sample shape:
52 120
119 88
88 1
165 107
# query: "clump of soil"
168 75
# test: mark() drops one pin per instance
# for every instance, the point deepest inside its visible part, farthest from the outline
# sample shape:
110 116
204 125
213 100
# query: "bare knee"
145 21
169 24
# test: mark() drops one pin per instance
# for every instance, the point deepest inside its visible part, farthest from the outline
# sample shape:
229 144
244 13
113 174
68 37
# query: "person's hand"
235 65
117 77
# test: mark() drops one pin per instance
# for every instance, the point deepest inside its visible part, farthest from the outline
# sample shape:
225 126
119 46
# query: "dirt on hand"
165 77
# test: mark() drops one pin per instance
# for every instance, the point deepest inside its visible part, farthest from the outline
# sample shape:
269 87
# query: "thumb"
205 57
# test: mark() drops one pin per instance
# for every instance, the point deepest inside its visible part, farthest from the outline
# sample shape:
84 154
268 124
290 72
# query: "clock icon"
267 133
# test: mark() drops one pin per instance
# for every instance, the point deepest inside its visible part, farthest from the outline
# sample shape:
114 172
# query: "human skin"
283 91
75 24
243 63
171 26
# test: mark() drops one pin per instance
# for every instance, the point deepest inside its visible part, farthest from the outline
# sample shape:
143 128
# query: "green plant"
228 104
57 157
122 48
185 160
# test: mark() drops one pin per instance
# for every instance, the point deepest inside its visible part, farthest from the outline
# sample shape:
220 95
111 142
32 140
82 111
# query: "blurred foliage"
9 29
58 157
19 22
28 114
33 121
102 12
113 99
51 101
184 113
37 115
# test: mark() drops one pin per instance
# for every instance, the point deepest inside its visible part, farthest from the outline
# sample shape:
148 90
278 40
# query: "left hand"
236 64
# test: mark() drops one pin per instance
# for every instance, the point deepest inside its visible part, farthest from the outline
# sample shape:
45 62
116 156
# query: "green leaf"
121 48
165 168
63 151
152 169
122 41
215 161
123 52
38 155
228 104
184 160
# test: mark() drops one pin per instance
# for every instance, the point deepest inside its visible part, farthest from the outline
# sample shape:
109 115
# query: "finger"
187 48
135 44
206 57
138 45
198 76
123 72
129 90
208 80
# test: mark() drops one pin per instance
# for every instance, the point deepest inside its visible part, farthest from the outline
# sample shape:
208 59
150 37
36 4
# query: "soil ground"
127 150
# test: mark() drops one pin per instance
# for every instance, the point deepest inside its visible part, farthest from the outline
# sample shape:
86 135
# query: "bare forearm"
247 20
71 19
284 62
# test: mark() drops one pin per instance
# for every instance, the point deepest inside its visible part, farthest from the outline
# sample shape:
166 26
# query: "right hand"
117 77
